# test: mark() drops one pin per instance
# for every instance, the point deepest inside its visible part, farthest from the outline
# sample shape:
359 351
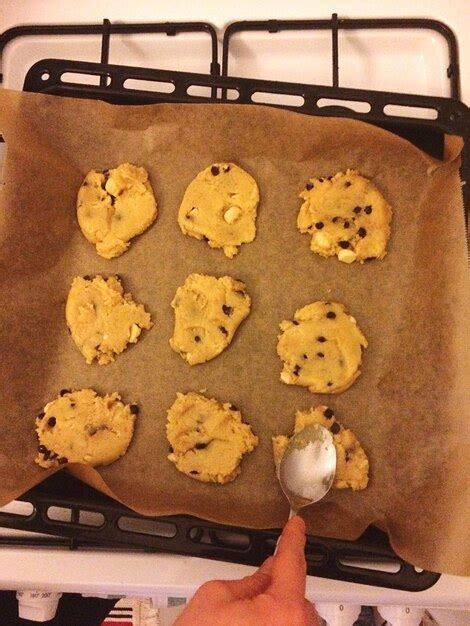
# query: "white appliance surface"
406 61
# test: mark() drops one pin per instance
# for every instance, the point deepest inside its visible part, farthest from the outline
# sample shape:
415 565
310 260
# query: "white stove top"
407 61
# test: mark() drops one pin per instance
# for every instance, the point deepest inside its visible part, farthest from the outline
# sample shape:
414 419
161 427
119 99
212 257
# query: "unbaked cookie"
114 206
352 464
102 319
83 427
219 206
207 439
208 311
321 348
347 216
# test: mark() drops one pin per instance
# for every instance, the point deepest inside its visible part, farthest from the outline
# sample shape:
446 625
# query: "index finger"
289 568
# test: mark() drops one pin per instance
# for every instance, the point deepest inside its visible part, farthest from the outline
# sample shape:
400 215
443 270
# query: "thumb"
253 585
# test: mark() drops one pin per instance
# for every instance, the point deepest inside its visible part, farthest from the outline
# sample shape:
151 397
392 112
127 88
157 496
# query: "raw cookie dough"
114 206
352 464
220 206
347 216
321 348
102 319
82 427
207 439
208 311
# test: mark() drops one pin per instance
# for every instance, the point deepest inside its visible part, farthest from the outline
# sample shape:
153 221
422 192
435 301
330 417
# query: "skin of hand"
273 596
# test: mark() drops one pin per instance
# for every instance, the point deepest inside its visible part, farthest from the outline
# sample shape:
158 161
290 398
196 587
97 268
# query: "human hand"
273 596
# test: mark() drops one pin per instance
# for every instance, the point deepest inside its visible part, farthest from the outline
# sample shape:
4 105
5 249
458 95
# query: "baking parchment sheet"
409 408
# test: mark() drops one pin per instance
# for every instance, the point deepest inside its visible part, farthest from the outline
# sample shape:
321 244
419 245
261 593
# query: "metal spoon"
308 467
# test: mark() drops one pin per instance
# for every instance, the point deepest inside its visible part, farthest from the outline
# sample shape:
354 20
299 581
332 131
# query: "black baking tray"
93 519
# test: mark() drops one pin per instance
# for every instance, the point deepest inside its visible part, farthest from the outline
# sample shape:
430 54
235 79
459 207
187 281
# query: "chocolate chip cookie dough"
102 319
347 216
114 206
352 464
208 311
83 427
220 206
321 348
207 439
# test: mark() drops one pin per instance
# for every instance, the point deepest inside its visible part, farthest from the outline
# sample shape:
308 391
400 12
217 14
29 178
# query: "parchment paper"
410 406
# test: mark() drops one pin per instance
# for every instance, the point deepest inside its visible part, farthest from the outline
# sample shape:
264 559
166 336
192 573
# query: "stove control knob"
401 615
338 614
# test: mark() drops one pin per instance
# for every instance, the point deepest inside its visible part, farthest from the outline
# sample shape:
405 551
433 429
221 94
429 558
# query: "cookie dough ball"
321 348
102 319
352 464
207 439
220 206
208 311
347 216
114 206
83 427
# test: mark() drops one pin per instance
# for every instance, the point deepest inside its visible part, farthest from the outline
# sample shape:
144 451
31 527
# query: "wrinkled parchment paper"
409 408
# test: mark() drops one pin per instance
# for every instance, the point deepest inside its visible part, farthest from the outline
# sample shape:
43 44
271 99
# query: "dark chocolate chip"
63 460
41 449
200 446
335 428
328 413
296 370
368 209
197 339
347 184
331 315
134 409
223 330
295 322
321 180
309 186
41 415
85 183
227 168
51 422
228 310
321 339
233 407
215 170
170 449
63 392
205 238
72 405
343 244
46 454
304 356
319 225
329 384
346 224
329 177
86 277
357 210
335 219
321 355
194 472
362 232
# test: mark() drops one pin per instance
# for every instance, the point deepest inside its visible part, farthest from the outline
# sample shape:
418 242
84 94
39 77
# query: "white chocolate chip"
347 256
232 214
352 319
87 458
135 332
321 240
286 377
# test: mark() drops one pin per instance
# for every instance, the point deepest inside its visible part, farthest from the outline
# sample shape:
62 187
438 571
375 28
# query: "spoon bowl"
308 467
